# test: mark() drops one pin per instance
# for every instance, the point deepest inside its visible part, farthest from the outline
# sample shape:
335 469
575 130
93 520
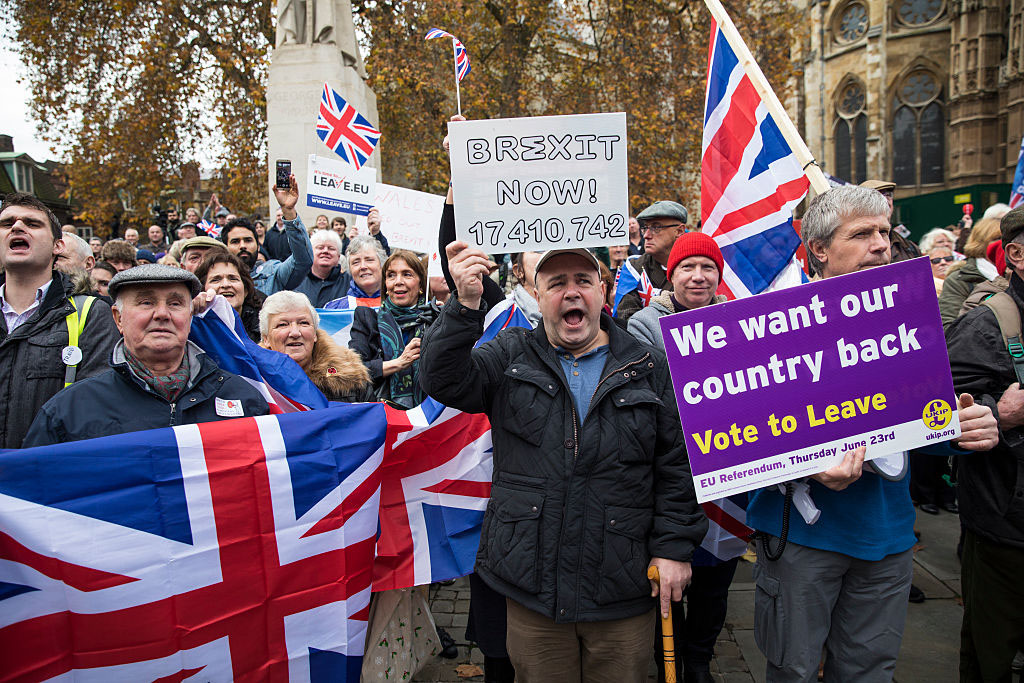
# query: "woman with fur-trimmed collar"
290 325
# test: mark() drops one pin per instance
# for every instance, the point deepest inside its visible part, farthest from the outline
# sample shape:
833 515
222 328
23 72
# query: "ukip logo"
937 414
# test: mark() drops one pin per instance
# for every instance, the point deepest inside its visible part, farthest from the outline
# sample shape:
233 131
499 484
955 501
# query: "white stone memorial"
315 44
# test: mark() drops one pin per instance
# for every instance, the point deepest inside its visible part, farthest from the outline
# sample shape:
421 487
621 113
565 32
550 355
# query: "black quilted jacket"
578 506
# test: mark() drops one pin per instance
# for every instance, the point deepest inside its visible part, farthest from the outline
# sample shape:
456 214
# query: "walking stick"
668 643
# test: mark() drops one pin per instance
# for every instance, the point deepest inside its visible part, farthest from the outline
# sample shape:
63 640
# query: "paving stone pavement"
931 640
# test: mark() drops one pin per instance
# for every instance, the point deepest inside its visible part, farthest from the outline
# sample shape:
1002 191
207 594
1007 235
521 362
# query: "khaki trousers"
617 651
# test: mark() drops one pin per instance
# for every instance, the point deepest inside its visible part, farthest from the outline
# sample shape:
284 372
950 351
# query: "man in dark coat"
591 482
41 314
991 485
157 377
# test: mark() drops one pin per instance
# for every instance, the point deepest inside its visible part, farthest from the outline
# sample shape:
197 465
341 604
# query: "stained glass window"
917 12
853 22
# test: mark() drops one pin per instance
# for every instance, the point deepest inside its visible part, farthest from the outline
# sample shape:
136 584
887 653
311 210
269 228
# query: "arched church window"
918 130
850 133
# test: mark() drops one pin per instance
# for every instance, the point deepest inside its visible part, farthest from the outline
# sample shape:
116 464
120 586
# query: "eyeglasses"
655 229
940 259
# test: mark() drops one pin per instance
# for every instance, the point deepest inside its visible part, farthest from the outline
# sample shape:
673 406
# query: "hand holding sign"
468 268
845 473
979 430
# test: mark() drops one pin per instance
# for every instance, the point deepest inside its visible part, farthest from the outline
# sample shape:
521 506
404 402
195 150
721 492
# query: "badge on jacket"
229 407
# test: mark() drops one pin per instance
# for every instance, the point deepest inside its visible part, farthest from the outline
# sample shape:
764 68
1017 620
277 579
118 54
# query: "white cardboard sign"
339 187
409 218
539 183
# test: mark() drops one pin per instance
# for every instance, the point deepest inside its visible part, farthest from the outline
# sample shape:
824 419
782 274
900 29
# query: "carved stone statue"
331 23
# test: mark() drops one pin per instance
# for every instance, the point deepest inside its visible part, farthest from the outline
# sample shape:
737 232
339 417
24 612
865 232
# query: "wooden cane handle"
668 643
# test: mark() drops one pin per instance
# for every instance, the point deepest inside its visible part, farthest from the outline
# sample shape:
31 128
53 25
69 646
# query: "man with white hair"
325 280
166 379
75 256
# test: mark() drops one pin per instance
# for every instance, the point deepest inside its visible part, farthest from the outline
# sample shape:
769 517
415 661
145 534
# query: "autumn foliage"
132 91
647 58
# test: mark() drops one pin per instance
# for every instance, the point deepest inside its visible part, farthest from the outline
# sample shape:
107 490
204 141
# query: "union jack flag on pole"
460 56
345 130
752 169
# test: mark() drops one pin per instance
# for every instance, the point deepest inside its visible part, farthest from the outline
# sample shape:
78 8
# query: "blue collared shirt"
583 375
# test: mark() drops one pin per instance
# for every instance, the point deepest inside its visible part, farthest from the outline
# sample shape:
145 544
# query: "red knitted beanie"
694 244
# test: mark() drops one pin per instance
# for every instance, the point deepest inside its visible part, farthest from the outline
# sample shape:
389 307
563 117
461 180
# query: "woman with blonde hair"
964 276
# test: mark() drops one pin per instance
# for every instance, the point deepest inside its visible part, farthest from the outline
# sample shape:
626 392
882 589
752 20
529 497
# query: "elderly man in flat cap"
157 378
660 224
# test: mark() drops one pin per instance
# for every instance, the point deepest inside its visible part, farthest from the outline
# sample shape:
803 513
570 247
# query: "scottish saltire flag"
728 533
750 181
461 56
630 279
345 130
1017 191
219 331
237 550
211 229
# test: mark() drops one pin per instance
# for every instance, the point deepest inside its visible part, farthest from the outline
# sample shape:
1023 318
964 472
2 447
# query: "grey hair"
73 241
927 242
282 302
321 236
828 211
996 210
362 242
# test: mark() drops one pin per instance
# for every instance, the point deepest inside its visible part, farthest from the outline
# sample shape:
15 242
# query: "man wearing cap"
193 251
164 378
841 584
40 316
272 276
591 484
991 488
900 248
660 224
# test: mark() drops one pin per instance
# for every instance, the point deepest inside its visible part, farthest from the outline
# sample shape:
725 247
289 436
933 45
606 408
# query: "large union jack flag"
461 56
345 130
237 550
750 180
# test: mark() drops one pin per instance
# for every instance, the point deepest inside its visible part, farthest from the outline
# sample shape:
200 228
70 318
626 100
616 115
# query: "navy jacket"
117 401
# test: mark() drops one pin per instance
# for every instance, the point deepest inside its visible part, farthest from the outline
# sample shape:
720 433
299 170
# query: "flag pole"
455 63
771 100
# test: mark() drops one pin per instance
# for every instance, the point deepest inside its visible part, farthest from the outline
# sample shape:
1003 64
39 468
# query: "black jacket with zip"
118 401
991 484
578 506
31 369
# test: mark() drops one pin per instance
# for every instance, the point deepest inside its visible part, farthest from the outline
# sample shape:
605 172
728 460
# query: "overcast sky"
14 116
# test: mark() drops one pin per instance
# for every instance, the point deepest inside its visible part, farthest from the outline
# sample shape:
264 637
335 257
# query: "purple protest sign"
781 385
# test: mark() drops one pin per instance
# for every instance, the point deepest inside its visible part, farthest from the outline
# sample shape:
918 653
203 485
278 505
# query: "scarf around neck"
166 386
398 326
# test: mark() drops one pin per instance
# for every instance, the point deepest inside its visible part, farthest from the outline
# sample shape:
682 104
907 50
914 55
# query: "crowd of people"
592 483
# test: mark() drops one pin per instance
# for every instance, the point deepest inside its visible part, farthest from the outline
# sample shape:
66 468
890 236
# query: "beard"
247 258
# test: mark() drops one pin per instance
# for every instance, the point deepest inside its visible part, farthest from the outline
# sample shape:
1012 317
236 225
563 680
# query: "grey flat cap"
664 209
201 242
222 212
153 273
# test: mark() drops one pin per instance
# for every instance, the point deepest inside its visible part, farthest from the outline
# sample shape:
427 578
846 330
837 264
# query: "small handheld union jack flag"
344 130
211 229
461 60
461 56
